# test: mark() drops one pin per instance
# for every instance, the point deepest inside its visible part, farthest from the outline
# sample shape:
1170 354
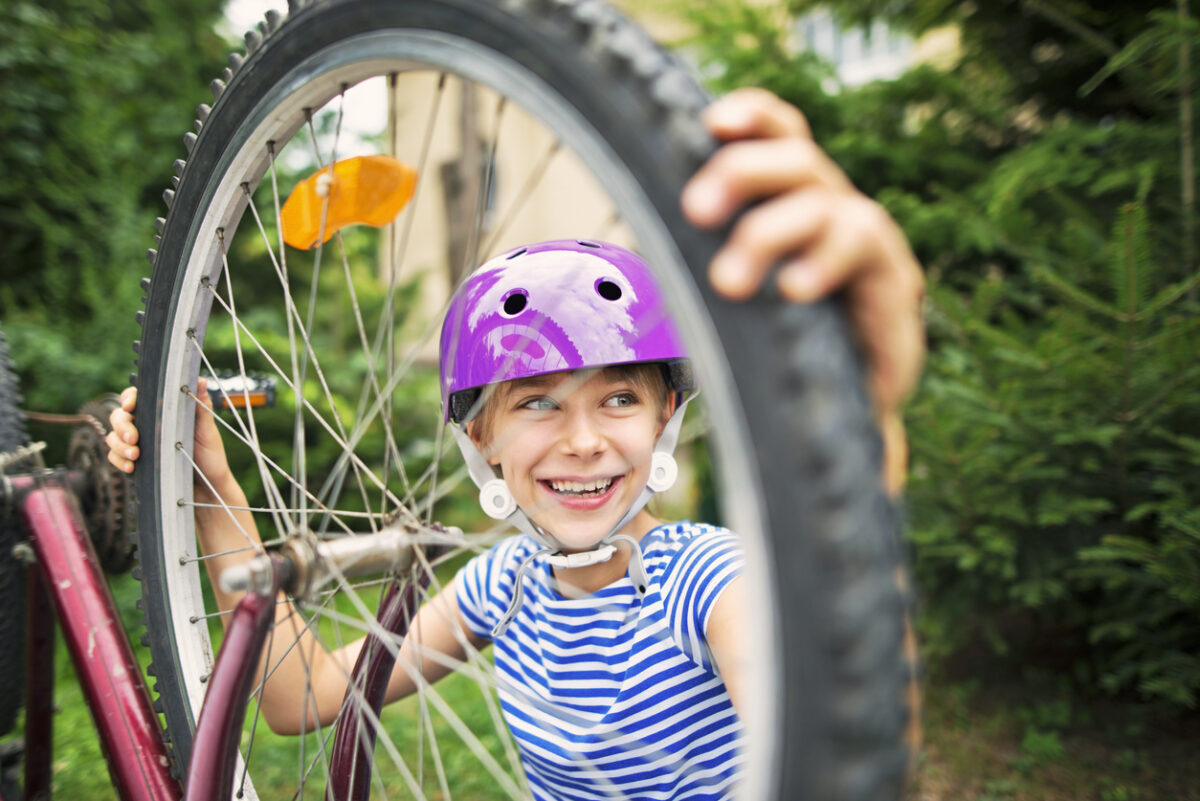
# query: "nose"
582 435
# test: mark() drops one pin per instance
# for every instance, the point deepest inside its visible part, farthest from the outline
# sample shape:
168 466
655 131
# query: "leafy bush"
93 99
1055 435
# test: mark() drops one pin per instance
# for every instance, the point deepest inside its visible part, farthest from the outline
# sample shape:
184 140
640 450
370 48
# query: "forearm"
293 657
226 533
438 641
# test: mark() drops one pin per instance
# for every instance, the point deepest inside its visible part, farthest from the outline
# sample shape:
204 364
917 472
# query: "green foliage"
1054 437
746 44
93 99
1041 747
1051 467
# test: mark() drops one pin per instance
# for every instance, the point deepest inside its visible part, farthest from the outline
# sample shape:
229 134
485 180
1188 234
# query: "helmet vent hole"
608 290
587 244
514 254
514 304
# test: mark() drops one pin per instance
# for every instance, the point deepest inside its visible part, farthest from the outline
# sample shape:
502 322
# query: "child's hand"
825 234
122 439
209 451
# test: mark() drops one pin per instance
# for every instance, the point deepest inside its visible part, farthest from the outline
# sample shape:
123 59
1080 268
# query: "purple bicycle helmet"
554 306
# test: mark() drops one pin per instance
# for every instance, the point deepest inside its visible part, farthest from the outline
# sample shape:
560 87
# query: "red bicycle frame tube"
108 673
354 741
214 747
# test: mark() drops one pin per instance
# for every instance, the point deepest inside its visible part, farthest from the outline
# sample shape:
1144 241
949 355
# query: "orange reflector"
240 400
364 189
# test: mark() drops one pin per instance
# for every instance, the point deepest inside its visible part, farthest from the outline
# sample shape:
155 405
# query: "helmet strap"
498 503
494 496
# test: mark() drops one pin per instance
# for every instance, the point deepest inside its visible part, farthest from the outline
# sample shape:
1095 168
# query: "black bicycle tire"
13 572
817 452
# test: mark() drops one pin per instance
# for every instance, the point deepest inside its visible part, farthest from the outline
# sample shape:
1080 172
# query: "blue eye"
542 404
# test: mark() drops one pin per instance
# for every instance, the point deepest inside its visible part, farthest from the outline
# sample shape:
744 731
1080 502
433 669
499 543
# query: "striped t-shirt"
612 696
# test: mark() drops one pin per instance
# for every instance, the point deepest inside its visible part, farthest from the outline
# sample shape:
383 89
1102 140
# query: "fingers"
777 153
123 437
765 235
754 112
202 393
817 234
747 170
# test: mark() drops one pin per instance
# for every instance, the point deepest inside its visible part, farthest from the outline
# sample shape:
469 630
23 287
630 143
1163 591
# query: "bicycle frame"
67 584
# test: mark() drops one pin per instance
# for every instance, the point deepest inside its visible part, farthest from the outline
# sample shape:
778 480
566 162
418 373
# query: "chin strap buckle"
584 558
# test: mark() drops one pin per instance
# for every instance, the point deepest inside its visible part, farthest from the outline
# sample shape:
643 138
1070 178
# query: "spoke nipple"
204 678
193 619
179 445
181 502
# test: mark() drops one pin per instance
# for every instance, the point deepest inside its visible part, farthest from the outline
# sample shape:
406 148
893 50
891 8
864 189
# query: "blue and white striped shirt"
612 696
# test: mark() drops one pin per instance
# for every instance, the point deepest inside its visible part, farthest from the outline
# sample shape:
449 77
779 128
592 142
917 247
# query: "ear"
668 409
474 433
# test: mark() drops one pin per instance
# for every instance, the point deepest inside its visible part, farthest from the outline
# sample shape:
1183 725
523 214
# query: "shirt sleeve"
473 588
693 582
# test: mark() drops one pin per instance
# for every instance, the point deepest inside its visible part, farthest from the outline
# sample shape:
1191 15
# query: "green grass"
1003 740
275 760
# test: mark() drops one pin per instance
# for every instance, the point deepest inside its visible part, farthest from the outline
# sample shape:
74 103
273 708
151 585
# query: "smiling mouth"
581 489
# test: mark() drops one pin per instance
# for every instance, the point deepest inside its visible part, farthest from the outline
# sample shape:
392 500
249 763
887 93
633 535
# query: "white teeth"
581 486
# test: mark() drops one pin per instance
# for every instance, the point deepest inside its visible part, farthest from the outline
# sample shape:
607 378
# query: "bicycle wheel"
562 120
12 571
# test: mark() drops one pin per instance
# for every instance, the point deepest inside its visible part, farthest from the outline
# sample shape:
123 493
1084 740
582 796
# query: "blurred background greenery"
1040 156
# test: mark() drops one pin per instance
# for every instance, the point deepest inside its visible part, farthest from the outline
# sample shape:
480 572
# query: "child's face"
574 449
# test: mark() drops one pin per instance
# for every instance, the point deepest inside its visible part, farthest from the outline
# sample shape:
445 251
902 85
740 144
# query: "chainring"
108 500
